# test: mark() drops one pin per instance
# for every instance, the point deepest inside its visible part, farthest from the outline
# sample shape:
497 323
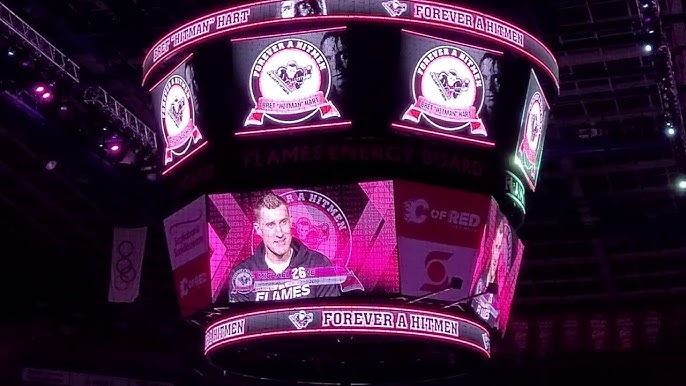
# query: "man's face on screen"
287 9
490 70
274 226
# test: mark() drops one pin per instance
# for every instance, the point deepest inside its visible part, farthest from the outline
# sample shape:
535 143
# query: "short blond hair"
269 201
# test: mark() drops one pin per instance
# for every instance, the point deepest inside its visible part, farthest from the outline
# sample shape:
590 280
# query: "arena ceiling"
604 224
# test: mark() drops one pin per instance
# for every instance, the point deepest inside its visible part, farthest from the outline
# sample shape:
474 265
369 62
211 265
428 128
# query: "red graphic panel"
193 285
188 246
440 215
427 267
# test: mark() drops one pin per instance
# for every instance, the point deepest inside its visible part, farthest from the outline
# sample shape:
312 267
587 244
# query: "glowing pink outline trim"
435 3
170 53
170 72
247 133
400 126
306 31
185 158
362 331
450 41
334 330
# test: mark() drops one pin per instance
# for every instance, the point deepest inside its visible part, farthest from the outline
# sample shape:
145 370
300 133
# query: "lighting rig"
40 76
657 44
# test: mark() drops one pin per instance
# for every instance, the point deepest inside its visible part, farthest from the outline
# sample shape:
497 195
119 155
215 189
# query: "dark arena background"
342 192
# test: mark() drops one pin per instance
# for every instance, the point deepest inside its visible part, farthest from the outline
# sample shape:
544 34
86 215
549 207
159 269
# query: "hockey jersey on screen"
292 283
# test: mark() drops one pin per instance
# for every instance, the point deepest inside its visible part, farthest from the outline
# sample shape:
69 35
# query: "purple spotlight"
40 88
114 148
46 95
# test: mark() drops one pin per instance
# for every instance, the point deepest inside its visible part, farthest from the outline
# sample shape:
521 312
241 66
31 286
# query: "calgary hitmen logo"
319 223
448 90
178 118
531 143
290 82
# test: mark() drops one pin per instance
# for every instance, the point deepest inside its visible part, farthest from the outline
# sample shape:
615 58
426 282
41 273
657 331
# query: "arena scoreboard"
349 173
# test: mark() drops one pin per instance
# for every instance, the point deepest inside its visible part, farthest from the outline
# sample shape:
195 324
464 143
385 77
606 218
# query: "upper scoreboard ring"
272 13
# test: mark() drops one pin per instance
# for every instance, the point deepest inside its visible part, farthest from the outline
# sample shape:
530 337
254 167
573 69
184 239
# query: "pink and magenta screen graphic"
498 263
381 237
309 243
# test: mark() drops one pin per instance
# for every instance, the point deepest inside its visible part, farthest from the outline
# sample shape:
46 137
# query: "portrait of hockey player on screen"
454 87
282 258
293 80
176 105
496 252
498 263
302 243
301 8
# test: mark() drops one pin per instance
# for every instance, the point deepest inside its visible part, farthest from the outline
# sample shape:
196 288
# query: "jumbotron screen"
455 86
177 108
291 79
379 68
371 238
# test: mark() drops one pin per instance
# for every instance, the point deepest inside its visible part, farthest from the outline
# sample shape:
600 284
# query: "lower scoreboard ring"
359 343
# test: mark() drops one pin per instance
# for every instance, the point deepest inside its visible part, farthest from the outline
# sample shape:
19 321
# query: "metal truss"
98 97
41 45
95 96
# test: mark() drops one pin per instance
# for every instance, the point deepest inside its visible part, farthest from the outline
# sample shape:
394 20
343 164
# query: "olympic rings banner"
128 248
349 319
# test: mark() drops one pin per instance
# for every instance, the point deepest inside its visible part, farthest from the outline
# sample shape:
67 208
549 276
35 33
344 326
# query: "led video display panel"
250 16
303 243
439 238
175 100
532 132
454 87
498 263
293 80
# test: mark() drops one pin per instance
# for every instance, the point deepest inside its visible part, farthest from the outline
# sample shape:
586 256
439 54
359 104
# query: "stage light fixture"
670 131
681 183
648 47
